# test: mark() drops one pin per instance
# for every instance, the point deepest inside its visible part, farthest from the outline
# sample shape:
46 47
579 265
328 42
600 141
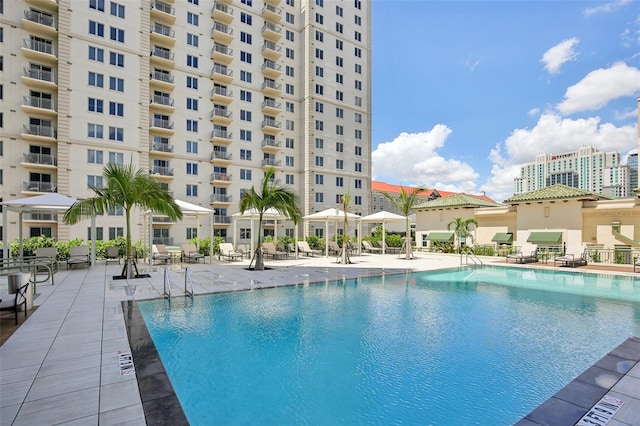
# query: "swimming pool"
447 347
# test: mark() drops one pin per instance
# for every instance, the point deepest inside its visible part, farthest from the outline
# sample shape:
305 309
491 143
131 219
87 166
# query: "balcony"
38 186
163 35
220 157
222 220
271 32
271 88
161 148
221 137
271 51
221 95
38 132
222 13
271 107
222 33
39 79
40 217
168 241
221 116
271 145
221 74
39 50
161 125
38 161
269 125
162 80
222 54
161 172
270 162
162 103
50 5
163 12
38 22
271 70
220 178
38 105
220 199
273 2
162 220
271 13
163 57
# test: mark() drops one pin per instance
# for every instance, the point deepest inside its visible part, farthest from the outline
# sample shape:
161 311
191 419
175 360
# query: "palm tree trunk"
129 263
259 255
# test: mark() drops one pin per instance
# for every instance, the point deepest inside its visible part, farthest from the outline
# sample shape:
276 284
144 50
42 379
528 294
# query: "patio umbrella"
251 214
326 216
380 217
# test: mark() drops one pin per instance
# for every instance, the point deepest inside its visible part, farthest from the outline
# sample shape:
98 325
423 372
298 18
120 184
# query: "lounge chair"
190 253
78 255
269 249
112 255
388 249
334 248
527 254
15 304
573 257
636 263
159 253
303 247
369 248
227 251
48 255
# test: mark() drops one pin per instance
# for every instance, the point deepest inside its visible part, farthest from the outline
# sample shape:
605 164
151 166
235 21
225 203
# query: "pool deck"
62 365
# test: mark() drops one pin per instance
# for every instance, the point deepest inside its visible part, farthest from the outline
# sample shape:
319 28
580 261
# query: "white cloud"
626 114
600 87
554 58
552 134
413 158
606 8
533 112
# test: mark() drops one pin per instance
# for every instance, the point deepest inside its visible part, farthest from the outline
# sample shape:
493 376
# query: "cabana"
380 217
252 214
326 216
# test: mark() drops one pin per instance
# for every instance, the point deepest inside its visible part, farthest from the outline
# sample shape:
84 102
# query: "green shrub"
315 242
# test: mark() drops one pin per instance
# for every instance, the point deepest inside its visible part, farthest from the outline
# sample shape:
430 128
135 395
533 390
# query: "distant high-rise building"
204 95
587 169
632 162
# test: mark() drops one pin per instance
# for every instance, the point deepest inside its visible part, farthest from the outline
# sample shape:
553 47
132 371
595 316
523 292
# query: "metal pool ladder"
475 260
188 284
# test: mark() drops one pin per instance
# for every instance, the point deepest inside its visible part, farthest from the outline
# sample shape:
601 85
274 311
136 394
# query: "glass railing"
38 74
36 158
268 26
222 134
38 102
39 46
163 30
222 8
39 130
268 103
221 112
271 143
40 18
162 53
162 76
221 176
160 122
161 170
219 198
163 7
222 28
271 123
162 100
162 147
37 186
221 91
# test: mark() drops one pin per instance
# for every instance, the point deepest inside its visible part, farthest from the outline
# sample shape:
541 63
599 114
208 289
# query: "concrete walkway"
62 366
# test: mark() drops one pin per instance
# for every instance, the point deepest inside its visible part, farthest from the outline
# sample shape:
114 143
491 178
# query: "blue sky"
464 92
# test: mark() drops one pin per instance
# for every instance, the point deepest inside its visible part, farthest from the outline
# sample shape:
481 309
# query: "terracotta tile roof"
395 189
554 192
459 200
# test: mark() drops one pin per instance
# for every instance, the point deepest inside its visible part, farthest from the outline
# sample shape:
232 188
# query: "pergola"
380 217
326 216
252 214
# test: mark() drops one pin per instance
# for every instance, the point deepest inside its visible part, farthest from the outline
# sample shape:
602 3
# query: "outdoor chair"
190 253
366 245
573 257
383 245
303 247
269 249
16 303
48 255
227 251
636 263
528 254
334 248
78 255
159 253
112 255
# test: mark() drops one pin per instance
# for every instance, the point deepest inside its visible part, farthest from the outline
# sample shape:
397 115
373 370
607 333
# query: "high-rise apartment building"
206 95
587 169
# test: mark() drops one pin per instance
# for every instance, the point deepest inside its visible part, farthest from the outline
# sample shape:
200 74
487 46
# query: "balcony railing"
222 28
162 219
163 30
49 217
219 198
162 100
221 48
271 123
271 85
161 147
270 162
270 103
162 123
219 155
221 91
220 112
161 170
39 130
35 158
38 74
38 102
271 143
37 186
271 66
221 176
162 76
162 53
270 8
222 134
269 26
268 45
39 46
217 220
222 8
39 18
168 241
163 7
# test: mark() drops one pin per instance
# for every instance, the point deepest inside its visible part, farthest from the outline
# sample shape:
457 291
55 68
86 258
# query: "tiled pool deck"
62 366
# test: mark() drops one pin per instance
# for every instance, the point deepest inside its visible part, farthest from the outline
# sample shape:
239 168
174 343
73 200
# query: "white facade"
205 95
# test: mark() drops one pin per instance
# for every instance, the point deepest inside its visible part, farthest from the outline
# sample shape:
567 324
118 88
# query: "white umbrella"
251 214
326 216
380 217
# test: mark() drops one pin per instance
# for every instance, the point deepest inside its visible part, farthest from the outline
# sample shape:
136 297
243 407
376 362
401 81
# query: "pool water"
454 347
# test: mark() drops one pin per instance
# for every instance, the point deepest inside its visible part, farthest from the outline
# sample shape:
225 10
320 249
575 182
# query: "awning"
441 236
503 238
545 238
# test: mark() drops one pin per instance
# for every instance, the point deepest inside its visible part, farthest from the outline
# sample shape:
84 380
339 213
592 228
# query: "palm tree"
404 203
279 198
126 188
345 199
462 229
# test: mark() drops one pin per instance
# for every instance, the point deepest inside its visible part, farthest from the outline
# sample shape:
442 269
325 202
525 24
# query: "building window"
340 29
116 158
192 147
192 125
245 18
319 19
288 143
245 76
319 197
339 61
94 130
192 61
288 71
319 89
117 10
319 179
339 10
290 18
245 135
96 105
245 115
96 80
192 82
289 124
339 164
192 18
289 106
358 167
358 200
97 5
319 53
339 130
192 190
94 181
94 156
116 59
245 37
339 147
288 179
245 96
319 143
192 168
319 71
192 40
289 35
116 108
358 52
319 125
358 183
96 28
339 95
339 181
192 232
245 174
358 36
245 154
96 54
358 117
289 88
245 57
358 134
245 233
288 161
319 161
339 113
116 232
116 84
358 85
358 150
116 134
99 233
117 34
192 104
319 36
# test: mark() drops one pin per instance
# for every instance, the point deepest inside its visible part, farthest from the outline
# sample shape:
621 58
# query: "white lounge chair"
269 249
190 253
159 253
573 257
227 251
527 254
303 247
366 245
